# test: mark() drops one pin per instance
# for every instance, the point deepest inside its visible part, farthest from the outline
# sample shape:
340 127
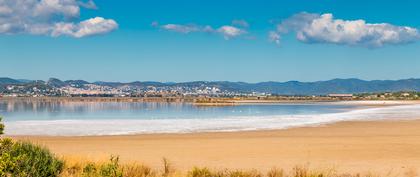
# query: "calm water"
112 118
24 111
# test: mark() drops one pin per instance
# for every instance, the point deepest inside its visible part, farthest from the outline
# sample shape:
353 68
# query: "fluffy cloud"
227 31
93 26
230 31
315 28
51 17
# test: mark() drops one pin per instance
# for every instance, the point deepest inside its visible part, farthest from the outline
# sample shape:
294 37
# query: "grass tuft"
275 172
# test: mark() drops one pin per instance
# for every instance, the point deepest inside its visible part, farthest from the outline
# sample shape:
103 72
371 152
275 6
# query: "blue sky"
189 40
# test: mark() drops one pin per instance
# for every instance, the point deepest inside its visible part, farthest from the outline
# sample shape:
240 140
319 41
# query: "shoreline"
354 146
209 102
204 100
351 146
215 133
361 111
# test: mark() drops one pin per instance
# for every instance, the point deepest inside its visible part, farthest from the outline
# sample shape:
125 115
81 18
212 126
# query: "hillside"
281 88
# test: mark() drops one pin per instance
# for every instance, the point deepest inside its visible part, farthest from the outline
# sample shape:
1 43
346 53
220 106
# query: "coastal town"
96 90
78 88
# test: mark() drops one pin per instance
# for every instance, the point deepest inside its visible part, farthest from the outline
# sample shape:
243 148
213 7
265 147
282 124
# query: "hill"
282 88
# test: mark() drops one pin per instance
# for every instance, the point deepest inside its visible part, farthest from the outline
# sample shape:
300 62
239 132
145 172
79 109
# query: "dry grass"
79 167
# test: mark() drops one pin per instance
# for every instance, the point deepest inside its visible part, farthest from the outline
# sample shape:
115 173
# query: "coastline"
210 101
353 111
215 102
377 146
355 146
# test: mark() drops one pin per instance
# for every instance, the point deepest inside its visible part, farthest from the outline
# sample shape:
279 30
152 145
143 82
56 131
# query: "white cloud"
93 26
181 28
49 8
226 31
315 28
230 31
50 17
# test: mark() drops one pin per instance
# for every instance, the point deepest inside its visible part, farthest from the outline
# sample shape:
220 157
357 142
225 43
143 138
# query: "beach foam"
227 124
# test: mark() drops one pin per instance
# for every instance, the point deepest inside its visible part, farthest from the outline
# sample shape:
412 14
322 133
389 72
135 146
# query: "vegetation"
26 159
23 159
112 168
1 126
38 162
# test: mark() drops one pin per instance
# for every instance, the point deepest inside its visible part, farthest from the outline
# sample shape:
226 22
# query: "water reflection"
18 110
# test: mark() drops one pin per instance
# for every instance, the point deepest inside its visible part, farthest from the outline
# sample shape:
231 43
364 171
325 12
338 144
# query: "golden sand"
380 146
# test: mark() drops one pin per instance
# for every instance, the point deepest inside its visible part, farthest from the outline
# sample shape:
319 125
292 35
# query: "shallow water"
118 118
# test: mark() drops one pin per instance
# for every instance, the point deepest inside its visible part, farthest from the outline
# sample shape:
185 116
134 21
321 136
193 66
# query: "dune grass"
113 168
26 159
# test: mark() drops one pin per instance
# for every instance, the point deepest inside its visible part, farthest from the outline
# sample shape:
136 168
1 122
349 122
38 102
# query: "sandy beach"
371 146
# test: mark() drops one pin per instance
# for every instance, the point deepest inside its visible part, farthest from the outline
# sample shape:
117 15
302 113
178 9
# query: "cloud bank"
316 28
52 18
227 31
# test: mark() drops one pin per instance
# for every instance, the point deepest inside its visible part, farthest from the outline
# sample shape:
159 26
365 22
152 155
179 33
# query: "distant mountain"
53 82
24 80
110 84
281 88
6 81
295 87
337 86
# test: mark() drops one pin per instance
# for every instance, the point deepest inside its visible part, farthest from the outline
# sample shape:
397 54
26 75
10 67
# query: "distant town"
79 88
57 88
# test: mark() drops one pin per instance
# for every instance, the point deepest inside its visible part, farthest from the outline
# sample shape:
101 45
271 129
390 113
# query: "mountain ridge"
351 85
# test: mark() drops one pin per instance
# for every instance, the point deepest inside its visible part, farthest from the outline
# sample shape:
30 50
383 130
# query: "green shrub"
1 126
90 170
111 169
26 159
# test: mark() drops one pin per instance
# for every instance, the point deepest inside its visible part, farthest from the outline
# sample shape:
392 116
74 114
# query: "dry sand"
380 146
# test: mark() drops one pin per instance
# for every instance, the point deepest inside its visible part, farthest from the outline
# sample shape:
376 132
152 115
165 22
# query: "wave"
226 124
